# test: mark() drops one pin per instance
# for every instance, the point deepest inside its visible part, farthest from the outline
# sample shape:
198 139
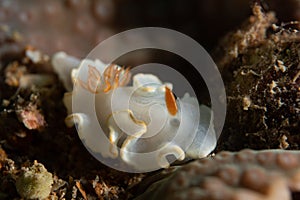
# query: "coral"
34 182
260 67
248 174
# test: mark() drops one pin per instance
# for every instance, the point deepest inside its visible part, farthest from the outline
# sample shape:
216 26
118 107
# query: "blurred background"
77 26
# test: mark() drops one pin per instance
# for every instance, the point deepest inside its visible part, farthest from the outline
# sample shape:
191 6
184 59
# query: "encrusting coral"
248 174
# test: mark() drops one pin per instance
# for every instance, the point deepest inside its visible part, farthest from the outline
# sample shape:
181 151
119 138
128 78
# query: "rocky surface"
248 174
260 67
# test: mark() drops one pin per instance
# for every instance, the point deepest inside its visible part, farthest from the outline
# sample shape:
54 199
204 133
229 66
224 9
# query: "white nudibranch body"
142 123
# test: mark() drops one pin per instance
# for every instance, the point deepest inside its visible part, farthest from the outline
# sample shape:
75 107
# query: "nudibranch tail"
170 101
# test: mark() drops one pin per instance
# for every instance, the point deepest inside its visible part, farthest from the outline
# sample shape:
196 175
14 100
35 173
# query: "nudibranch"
143 123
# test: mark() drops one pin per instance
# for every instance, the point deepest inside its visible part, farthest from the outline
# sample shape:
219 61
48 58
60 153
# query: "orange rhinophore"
108 73
93 80
115 76
126 76
170 101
